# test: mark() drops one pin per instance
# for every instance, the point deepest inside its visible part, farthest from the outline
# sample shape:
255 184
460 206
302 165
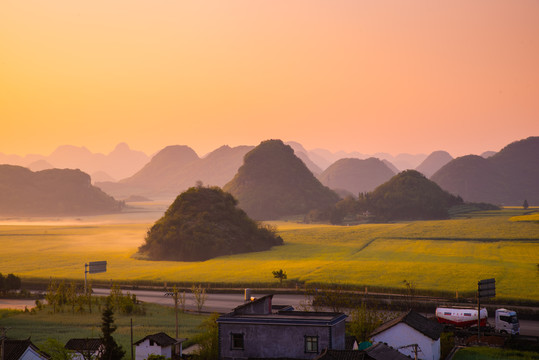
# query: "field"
43 325
450 255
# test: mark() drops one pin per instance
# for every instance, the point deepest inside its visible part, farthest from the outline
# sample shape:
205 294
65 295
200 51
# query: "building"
158 344
20 350
85 349
377 351
411 333
257 329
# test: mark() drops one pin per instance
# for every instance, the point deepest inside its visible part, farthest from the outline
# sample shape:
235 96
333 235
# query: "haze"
368 76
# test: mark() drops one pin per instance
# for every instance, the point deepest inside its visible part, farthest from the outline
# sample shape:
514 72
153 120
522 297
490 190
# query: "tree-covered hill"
52 192
274 183
203 223
507 178
356 175
408 196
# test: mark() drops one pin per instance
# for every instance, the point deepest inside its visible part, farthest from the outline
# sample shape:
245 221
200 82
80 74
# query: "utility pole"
3 336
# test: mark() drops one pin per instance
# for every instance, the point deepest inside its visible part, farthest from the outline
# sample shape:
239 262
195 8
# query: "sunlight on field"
450 255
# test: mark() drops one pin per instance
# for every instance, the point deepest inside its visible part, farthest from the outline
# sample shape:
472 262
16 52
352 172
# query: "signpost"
485 289
93 267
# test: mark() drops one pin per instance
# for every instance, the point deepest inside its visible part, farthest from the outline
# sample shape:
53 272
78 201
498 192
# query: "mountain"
301 153
507 178
39 165
203 223
273 183
160 177
177 168
434 162
120 163
355 175
52 192
409 195
488 154
390 166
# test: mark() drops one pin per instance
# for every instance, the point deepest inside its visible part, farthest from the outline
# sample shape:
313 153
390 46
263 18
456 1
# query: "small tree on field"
112 351
200 296
525 205
279 274
208 339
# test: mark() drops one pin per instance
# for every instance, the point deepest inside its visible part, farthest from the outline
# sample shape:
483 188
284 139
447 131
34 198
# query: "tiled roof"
14 349
161 339
375 352
88 344
381 351
342 355
416 321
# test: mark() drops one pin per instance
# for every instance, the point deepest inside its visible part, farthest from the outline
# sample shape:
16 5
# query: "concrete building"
411 333
256 329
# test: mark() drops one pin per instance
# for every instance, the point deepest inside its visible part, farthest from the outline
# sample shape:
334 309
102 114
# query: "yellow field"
449 255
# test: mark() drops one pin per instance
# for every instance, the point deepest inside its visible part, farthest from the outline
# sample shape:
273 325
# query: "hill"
203 223
507 178
52 192
355 175
409 195
176 168
434 162
273 183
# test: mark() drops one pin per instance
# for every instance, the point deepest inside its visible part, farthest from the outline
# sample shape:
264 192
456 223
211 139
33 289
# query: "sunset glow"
369 76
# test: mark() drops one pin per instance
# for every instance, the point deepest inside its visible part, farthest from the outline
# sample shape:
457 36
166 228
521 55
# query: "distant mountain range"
118 164
124 173
52 192
506 178
177 168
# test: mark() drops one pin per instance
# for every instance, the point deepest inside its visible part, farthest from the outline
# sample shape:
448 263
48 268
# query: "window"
237 342
311 344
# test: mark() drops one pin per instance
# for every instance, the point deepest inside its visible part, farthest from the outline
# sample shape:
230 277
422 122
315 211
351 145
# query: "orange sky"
354 75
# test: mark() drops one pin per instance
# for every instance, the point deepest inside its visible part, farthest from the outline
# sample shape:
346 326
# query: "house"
411 333
21 350
258 330
158 344
377 351
85 349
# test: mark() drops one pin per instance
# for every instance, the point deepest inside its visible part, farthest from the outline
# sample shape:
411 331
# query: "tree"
525 205
363 321
279 274
200 296
112 351
55 350
208 339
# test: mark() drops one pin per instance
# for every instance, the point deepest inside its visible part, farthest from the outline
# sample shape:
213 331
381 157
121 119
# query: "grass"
486 353
450 255
43 325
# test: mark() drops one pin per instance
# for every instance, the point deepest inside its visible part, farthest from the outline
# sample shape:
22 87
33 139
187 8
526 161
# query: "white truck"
505 321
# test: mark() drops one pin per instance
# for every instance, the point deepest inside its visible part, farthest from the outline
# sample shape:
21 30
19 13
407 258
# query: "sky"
370 76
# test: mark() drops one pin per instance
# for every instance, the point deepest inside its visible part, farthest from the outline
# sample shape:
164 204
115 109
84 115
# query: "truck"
505 321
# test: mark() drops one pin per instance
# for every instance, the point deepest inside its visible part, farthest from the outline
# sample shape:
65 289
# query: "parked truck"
505 321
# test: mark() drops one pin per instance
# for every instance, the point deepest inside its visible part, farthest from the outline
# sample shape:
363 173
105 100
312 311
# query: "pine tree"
112 351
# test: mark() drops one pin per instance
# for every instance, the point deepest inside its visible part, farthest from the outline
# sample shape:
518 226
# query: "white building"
158 344
410 333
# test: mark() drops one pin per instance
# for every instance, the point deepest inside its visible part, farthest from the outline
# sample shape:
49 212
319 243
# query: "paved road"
223 303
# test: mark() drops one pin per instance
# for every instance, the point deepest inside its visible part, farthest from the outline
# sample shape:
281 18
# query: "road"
224 303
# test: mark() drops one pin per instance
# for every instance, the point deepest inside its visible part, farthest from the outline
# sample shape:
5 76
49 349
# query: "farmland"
448 255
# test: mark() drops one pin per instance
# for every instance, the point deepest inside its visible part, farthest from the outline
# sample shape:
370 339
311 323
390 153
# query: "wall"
402 335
